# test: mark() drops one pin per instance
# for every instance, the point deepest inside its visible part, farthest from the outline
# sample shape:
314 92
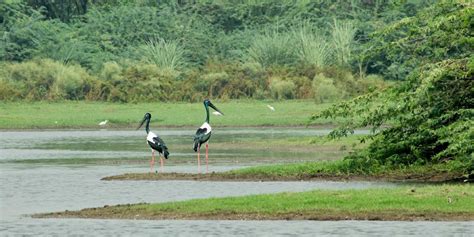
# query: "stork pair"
202 136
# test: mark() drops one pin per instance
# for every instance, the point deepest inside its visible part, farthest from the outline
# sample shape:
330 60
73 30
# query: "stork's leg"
207 155
199 159
152 161
161 163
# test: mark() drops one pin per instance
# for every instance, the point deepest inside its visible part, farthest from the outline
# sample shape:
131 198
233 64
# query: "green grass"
343 168
432 198
432 202
80 114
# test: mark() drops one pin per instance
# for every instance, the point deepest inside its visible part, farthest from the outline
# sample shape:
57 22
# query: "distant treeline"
119 50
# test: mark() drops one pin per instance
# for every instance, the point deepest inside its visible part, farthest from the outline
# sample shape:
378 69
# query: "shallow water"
62 227
227 145
27 188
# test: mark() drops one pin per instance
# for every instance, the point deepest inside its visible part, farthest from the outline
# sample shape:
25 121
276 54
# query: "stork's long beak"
141 123
214 107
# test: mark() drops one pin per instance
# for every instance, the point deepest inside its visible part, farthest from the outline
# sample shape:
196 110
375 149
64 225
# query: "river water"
29 185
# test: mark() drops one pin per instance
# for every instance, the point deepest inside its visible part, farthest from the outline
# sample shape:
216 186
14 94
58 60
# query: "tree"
431 113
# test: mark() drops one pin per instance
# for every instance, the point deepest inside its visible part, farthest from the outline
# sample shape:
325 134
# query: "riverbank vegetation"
133 51
432 110
433 203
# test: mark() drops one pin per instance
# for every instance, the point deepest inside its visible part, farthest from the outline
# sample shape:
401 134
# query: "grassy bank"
80 114
440 202
325 170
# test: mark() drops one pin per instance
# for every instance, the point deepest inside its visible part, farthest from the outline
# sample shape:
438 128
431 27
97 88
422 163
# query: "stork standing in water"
203 134
155 142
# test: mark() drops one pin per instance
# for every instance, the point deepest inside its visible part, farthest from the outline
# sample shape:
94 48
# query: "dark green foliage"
432 116
64 10
111 30
431 113
443 31
225 49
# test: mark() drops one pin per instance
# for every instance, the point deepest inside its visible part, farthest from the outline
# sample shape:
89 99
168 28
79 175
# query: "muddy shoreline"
415 178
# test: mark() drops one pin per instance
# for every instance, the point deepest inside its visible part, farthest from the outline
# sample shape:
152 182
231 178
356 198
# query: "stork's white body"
150 137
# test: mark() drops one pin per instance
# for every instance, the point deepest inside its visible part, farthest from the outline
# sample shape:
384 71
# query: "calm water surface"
27 188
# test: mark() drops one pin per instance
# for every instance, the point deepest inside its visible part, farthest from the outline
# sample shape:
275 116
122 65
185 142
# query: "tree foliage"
431 113
195 44
440 32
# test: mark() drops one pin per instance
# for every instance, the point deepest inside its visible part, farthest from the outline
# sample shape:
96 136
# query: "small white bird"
216 113
271 107
103 123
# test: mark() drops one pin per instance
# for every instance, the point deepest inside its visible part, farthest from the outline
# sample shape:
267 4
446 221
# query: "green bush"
282 89
8 92
145 82
325 90
431 116
372 83
111 72
69 84
45 80
303 87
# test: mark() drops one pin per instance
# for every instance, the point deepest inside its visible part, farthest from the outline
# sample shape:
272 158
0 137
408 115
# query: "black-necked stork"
203 134
155 142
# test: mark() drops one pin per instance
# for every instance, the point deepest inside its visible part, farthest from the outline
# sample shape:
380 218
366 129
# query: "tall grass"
342 41
313 48
273 48
167 55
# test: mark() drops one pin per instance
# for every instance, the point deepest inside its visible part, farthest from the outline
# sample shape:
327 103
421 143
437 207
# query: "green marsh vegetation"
441 202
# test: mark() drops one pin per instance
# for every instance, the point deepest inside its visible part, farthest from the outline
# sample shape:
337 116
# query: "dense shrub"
431 112
372 83
145 83
325 90
282 89
50 80
45 80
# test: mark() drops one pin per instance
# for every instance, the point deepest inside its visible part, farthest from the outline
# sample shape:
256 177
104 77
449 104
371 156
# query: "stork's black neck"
207 113
147 126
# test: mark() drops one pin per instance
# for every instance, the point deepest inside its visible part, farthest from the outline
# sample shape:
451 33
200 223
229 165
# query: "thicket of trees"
432 110
124 50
